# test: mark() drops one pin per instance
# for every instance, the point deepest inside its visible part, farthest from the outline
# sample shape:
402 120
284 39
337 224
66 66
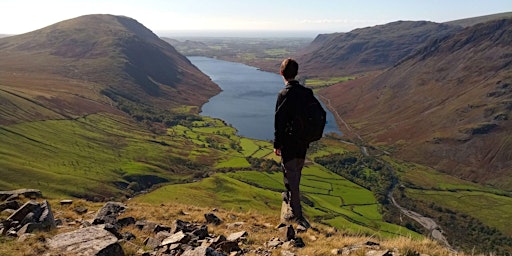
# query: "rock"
22 212
212 218
145 225
151 243
378 253
370 243
8 211
201 232
13 205
66 202
58 222
29 228
179 225
216 241
80 210
274 243
236 237
235 225
128 236
109 213
228 246
287 253
160 236
46 218
127 221
159 228
24 237
113 229
30 217
14 194
179 237
202 251
94 240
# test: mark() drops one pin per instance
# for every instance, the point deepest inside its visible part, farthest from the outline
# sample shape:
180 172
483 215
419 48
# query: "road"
434 229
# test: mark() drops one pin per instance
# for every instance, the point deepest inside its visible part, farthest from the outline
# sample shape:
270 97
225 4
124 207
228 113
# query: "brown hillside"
448 106
368 49
79 66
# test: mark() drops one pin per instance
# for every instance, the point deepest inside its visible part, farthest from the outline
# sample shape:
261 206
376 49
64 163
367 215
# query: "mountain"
91 64
85 107
447 106
480 19
368 49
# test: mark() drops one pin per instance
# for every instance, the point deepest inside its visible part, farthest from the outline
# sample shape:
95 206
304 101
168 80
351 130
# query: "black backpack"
309 123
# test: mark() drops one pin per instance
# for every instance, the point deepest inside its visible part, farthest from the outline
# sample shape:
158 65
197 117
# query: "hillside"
141 229
98 108
367 49
480 19
90 64
447 106
84 107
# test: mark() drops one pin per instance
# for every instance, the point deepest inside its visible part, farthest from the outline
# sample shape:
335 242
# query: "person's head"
289 69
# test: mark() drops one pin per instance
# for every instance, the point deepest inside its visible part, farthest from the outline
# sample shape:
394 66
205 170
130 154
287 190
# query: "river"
248 97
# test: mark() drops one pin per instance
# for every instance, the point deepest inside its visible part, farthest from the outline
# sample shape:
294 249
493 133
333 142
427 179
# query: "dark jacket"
287 105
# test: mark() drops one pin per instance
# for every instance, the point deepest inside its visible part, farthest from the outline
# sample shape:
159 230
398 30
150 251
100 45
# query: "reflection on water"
248 97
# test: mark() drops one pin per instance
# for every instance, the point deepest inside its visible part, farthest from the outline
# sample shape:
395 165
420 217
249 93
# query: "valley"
133 132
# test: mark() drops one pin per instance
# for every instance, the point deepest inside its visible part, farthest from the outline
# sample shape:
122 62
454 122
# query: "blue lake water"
248 97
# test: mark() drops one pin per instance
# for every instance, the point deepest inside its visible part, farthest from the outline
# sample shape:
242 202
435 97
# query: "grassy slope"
331 199
77 157
481 202
86 156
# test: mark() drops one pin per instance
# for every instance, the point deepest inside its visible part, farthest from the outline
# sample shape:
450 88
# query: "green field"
104 156
101 155
319 83
480 202
333 199
480 205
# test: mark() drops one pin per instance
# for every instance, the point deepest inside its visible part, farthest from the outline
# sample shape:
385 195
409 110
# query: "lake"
248 97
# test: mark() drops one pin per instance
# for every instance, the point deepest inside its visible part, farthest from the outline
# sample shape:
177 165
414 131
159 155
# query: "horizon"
243 18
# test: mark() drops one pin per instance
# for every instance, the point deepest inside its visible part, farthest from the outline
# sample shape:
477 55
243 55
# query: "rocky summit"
109 231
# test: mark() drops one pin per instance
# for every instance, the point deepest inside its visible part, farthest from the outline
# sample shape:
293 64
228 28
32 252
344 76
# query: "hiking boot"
302 223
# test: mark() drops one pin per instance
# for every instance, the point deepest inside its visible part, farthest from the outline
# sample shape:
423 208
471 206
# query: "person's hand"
277 151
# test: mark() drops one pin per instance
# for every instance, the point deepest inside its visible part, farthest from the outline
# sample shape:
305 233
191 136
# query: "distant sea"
248 97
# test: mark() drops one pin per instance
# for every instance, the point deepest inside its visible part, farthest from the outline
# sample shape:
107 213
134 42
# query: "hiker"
287 145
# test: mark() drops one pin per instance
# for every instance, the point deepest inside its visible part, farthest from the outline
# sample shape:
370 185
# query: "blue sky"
317 16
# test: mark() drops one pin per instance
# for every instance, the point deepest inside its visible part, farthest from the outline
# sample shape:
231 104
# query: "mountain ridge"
446 106
367 49
112 56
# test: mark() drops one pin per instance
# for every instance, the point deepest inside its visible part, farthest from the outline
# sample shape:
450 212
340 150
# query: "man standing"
286 142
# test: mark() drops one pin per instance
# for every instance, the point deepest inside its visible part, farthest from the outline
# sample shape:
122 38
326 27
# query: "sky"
281 17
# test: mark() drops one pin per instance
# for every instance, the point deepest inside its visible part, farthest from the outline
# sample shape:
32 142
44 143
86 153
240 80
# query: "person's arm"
280 121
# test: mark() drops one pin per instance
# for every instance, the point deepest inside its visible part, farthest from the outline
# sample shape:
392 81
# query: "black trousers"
292 171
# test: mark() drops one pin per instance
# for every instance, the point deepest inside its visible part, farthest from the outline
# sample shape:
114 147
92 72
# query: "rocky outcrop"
27 218
186 238
107 233
16 194
94 240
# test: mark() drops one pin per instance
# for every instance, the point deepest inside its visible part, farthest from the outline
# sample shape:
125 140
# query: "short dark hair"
289 68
